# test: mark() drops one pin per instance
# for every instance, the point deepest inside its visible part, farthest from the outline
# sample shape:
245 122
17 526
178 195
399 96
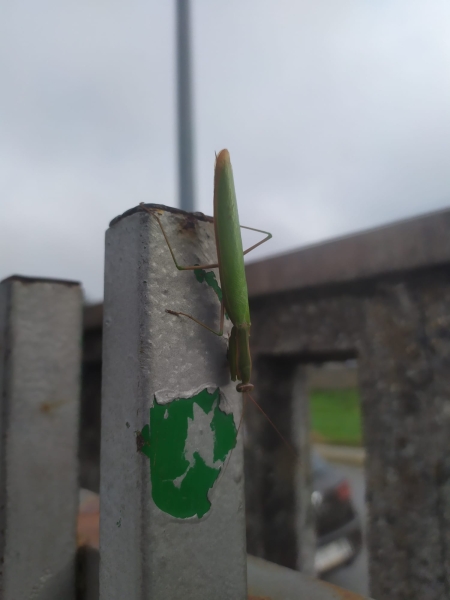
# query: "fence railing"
173 527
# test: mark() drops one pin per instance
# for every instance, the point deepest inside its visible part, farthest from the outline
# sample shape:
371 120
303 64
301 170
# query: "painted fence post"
40 353
172 500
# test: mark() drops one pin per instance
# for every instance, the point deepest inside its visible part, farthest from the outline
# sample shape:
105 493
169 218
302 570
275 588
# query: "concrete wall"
381 297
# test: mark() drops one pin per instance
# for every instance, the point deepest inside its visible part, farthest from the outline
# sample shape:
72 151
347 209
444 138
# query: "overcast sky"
336 114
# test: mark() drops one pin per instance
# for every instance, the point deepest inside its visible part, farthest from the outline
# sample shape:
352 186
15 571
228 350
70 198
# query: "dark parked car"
338 526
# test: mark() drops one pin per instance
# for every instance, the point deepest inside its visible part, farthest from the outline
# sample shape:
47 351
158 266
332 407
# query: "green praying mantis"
230 263
230 254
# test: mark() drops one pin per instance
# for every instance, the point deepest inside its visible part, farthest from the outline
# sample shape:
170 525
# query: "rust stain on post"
49 407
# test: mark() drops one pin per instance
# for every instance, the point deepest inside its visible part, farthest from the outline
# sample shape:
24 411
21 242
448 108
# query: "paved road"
354 577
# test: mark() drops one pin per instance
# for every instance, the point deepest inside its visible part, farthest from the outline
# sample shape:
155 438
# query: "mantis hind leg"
182 314
179 267
266 239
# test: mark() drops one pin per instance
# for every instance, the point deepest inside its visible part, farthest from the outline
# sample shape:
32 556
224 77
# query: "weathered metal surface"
40 330
150 357
414 243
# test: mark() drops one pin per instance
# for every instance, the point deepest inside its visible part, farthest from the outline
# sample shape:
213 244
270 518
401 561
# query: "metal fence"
175 528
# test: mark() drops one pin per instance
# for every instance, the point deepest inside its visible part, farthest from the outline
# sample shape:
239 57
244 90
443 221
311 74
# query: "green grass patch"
336 417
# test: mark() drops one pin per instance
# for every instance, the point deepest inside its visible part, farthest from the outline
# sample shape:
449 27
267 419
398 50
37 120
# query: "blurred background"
336 115
337 118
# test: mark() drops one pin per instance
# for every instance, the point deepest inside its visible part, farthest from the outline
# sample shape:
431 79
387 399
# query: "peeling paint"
187 442
167 396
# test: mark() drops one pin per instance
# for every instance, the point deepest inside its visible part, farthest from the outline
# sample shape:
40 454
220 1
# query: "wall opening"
338 478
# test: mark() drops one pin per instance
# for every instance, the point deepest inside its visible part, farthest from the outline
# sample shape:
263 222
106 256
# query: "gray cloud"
337 116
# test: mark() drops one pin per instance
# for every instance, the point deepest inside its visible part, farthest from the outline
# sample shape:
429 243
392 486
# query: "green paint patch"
209 277
182 473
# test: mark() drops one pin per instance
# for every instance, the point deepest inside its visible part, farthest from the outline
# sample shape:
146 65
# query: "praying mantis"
230 254
230 263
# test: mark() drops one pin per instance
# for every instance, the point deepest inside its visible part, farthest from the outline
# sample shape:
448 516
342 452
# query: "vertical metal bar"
40 353
301 437
184 106
172 519
278 480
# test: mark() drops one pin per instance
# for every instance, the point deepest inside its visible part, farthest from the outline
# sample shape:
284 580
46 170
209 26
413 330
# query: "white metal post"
40 353
172 498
